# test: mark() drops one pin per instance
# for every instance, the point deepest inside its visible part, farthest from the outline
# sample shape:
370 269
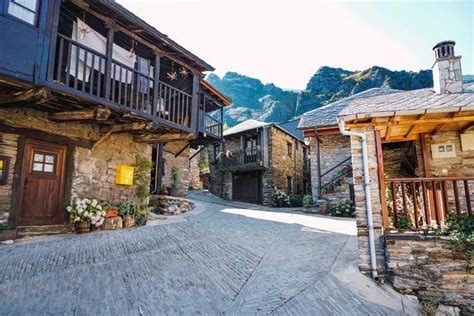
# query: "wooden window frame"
36 12
6 163
289 147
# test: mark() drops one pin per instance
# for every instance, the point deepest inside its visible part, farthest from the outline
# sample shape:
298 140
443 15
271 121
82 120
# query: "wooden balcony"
243 158
415 203
88 74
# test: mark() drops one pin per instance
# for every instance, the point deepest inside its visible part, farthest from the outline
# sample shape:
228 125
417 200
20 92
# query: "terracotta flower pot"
128 222
111 213
82 227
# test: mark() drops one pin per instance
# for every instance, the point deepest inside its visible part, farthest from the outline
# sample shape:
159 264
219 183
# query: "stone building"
75 113
255 158
417 166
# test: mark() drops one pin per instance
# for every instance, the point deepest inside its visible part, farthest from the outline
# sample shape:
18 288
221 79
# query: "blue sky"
285 42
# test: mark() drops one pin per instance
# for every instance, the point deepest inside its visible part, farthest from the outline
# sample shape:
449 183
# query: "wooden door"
246 187
42 184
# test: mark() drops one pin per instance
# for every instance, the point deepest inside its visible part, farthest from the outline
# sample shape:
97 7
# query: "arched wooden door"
42 184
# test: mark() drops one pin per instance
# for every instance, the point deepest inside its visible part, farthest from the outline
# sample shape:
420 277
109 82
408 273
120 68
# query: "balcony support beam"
163 138
195 102
99 114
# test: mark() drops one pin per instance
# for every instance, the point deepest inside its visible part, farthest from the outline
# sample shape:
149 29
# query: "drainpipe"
368 199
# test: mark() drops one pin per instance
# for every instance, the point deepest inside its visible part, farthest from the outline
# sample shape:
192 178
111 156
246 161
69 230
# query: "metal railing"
419 202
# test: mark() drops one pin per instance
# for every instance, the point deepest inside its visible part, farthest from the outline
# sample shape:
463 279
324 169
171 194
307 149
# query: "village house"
86 87
412 162
257 158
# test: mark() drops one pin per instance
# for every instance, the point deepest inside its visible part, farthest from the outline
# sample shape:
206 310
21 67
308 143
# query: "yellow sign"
124 175
1 164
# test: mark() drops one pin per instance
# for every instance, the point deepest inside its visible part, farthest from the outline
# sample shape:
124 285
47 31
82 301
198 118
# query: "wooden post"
159 167
381 178
53 31
425 155
318 164
156 86
194 102
108 61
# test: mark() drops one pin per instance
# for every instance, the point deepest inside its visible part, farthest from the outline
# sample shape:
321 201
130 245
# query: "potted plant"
173 190
7 232
84 213
164 190
141 216
127 211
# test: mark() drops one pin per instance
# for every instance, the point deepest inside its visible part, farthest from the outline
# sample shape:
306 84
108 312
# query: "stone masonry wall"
282 164
181 163
431 268
195 179
361 214
8 148
93 173
333 150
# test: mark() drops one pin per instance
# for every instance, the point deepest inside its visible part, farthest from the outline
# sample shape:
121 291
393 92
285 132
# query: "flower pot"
173 192
7 234
82 227
142 221
128 222
111 213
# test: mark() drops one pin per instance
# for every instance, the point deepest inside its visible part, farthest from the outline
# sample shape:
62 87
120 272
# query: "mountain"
267 102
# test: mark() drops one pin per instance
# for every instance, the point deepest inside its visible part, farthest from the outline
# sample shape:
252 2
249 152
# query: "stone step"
30 231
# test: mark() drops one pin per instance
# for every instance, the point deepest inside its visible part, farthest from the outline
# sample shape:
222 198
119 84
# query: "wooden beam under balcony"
25 97
163 138
98 114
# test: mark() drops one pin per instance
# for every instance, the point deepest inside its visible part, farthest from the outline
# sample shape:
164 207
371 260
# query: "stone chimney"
447 75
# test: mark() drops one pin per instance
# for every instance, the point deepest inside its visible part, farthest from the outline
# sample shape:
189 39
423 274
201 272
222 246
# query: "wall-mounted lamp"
4 161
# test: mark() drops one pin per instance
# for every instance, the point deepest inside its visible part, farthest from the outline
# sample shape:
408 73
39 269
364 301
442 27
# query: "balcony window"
25 10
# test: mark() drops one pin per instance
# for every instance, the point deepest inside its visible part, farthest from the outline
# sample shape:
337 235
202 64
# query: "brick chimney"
447 75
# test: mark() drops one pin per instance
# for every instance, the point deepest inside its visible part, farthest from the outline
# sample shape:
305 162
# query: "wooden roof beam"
162 138
411 131
467 127
96 114
402 122
21 97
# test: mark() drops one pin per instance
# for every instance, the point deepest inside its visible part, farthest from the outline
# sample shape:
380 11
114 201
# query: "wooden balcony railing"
82 71
421 202
212 126
243 157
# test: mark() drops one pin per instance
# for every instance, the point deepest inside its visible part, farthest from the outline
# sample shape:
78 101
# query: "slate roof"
326 115
245 126
414 101
292 128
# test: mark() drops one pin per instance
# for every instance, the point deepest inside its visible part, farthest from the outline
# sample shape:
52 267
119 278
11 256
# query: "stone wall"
195 179
361 214
8 148
282 164
431 268
181 163
93 170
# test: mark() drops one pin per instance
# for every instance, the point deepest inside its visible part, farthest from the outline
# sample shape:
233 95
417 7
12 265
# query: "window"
26 10
251 145
289 186
43 162
290 149
4 169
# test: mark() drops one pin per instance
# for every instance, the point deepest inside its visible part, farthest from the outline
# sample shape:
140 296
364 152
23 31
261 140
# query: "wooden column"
108 62
156 86
159 167
425 154
381 178
318 164
195 102
52 29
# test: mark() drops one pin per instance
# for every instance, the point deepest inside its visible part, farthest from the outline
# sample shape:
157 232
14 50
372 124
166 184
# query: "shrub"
128 208
460 229
87 210
143 166
307 201
403 222
296 200
280 198
343 209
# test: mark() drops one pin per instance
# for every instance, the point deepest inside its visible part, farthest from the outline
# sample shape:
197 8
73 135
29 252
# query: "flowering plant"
87 210
280 198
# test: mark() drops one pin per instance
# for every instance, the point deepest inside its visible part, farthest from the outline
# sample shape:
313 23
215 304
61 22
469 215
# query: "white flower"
86 213
103 213
69 209
94 202
99 207
78 201
80 210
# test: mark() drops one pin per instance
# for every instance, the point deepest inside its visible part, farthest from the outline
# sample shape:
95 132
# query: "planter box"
128 222
7 234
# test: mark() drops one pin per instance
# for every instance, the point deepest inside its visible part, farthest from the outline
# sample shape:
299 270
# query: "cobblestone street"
222 258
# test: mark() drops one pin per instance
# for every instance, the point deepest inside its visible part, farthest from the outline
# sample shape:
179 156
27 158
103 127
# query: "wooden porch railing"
82 71
427 201
212 126
243 158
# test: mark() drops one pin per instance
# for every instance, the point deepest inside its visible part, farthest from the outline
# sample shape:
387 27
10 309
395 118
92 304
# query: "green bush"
7 226
296 200
307 201
460 229
343 209
128 208
403 222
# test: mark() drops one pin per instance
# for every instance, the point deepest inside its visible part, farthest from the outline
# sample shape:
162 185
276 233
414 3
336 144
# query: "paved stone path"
223 258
